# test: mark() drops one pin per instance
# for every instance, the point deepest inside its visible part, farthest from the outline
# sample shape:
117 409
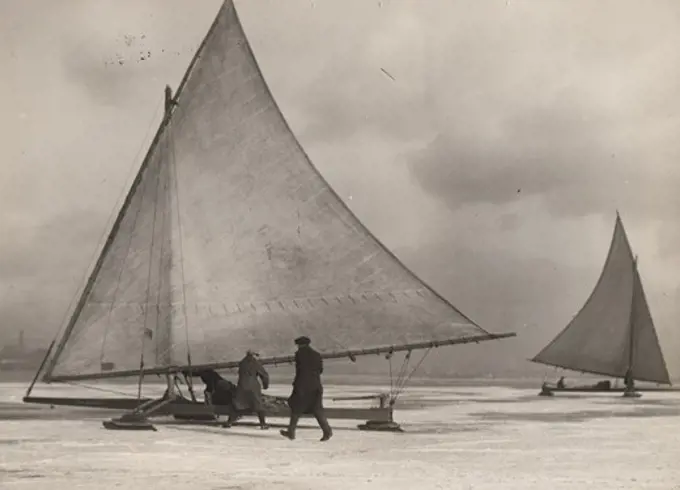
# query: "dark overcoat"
220 390
248 391
307 396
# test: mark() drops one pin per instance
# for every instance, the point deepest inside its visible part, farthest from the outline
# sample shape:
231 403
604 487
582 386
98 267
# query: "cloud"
506 99
335 90
42 268
53 252
571 103
566 151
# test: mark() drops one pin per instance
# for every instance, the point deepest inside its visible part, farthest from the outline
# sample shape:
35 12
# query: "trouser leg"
263 419
320 415
292 426
232 413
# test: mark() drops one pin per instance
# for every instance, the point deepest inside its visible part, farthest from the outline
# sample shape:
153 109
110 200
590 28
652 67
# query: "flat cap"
302 341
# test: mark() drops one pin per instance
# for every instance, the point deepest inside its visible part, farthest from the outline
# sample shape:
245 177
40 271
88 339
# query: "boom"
289 359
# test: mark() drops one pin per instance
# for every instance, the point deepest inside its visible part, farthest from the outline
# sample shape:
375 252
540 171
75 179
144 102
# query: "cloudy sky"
489 143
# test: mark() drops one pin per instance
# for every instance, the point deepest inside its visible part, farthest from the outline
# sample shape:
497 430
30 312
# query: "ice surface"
457 438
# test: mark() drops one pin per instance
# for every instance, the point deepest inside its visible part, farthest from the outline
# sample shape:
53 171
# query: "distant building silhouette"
16 357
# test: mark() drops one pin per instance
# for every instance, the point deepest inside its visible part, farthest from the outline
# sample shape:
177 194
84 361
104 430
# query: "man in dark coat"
307 396
248 396
218 391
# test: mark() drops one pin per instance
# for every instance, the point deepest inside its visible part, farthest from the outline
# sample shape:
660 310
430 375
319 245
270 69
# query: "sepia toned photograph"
306 244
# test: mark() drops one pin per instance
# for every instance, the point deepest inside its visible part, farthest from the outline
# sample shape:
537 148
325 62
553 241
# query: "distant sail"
615 318
230 239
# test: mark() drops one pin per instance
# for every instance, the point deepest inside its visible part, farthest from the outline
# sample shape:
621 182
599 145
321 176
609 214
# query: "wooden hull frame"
187 409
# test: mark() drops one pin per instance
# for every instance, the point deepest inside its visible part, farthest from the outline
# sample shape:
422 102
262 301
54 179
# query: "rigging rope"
121 271
177 382
413 371
96 388
148 283
165 173
397 387
402 370
389 360
173 164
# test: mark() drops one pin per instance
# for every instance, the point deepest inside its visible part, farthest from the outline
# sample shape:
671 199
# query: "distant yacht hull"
597 389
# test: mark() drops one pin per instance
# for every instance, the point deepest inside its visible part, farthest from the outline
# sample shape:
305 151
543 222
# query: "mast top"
170 102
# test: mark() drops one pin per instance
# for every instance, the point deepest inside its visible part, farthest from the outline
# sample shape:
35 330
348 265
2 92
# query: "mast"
631 338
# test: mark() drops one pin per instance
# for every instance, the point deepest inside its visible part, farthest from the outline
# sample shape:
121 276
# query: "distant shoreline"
331 379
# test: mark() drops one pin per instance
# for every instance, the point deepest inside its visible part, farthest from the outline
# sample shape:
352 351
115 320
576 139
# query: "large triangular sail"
231 239
614 330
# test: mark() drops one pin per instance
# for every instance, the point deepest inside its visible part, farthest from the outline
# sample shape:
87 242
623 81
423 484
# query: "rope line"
164 172
96 388
122 269
398 386
173 164
413 371
164 352
389 360
148 282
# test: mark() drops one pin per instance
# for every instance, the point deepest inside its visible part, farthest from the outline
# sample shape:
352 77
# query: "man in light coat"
248 395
